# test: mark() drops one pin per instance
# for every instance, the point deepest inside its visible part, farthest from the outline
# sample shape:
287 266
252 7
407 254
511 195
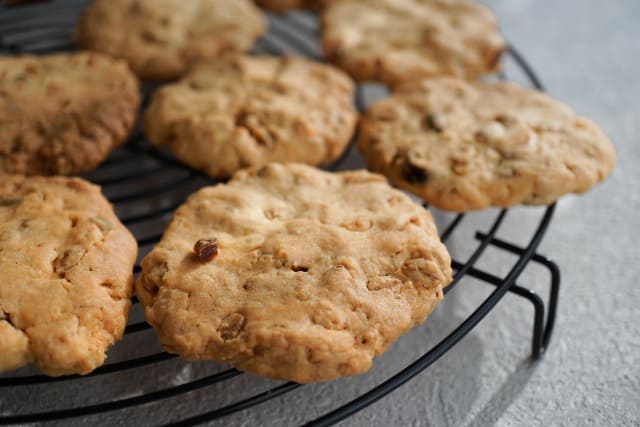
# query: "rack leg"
537 347
537 341
542 329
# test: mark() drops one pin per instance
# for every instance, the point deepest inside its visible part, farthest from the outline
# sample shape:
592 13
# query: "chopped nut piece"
358 224
383 282
504 170
68 259
262 134
505 119
231 326
102 223
206 249
459 166
533 140
491 132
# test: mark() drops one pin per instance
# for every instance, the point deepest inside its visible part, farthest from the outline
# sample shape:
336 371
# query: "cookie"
462 146
66 267
293 273
286 5
62 114
393 41
247 111
161 38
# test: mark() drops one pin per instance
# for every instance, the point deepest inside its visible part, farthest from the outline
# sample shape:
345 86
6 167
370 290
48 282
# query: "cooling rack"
146 185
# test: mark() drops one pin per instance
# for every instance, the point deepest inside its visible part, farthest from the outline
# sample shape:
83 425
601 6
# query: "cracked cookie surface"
393 41
313 275
462 146
62 114
161 38
248 111
66 275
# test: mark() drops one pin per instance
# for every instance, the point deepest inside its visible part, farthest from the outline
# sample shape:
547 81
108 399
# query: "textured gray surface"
587 53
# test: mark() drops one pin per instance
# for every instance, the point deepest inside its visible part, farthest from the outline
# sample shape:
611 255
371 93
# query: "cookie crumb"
206 249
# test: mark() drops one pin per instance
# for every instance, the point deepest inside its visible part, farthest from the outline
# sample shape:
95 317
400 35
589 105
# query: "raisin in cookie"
463 146
293 273
400 40
248 111
66 273
62 114
161 38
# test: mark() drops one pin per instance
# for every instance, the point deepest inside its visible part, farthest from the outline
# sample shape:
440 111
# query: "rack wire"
146 185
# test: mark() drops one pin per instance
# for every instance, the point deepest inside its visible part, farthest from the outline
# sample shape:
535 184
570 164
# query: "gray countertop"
587 53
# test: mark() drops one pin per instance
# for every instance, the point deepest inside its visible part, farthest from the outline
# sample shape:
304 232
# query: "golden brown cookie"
66 267
161 38
462 146
248 111
62 114
293 273
394 41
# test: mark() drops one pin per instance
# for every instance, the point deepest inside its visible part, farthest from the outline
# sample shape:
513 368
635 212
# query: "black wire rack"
146 185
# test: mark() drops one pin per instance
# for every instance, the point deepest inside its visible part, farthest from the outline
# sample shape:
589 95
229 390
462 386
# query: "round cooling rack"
142 385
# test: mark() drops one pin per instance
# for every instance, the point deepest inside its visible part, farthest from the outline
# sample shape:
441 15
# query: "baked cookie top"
250 110
62 114
161 38
66 267
393 41
293 273
462 146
